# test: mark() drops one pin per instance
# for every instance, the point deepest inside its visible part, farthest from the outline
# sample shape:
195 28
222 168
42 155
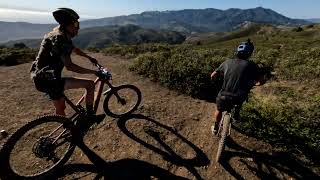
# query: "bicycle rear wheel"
122 100
224 134
36 149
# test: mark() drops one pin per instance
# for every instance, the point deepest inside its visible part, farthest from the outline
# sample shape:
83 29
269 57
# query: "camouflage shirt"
54 45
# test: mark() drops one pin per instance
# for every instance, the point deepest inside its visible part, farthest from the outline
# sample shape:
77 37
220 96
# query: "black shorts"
53 88
226 101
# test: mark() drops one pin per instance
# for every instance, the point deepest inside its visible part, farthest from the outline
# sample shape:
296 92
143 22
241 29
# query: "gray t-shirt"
239 76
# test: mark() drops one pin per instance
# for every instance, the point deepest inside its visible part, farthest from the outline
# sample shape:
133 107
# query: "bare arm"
75 68
80 52
214 75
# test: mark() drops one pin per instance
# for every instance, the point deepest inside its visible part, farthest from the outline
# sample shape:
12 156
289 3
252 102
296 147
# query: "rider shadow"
121 169
126 169
168 153
264 165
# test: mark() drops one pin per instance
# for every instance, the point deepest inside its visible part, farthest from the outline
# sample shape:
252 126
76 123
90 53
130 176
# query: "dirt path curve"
169 137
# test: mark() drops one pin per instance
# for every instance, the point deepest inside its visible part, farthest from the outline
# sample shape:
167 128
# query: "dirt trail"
169 137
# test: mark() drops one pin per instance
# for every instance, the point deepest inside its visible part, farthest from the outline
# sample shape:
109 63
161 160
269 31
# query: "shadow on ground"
264 165
126 169
134 168
168 154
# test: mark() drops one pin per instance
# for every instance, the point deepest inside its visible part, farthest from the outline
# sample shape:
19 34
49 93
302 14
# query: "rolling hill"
186 21
195 20
100 37
22 30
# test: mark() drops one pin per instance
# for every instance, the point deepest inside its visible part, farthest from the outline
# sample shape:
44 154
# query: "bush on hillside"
14 56
131 51
285 124
20 45
183 69
298 29
302 65
93 49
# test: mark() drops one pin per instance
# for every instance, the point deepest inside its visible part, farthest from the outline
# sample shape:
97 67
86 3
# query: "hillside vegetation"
283 112
15 56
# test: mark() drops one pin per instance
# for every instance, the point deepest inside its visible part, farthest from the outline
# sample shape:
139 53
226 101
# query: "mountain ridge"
186 21
100 37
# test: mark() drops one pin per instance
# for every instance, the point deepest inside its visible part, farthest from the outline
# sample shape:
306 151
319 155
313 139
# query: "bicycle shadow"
168 153
125 169
264 165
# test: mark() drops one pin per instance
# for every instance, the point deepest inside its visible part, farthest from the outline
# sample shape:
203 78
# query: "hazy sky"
39 11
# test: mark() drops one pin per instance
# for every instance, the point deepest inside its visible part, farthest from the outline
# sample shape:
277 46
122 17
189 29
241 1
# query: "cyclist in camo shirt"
55 54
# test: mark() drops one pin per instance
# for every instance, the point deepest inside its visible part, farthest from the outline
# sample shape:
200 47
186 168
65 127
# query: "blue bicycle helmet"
245 49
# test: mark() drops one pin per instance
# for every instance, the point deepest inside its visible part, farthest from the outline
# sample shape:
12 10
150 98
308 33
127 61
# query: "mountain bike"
224 130
37 149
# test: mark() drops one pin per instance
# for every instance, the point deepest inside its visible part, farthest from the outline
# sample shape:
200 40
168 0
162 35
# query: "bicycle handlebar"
102 72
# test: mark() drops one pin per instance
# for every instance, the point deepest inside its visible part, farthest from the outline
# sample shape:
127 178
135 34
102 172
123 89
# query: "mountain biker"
240 75
55 54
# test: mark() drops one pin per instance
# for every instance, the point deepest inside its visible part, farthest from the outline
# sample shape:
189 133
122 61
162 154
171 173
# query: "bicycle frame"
99 84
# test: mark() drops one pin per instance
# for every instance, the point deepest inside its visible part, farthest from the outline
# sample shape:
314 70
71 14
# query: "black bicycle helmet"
65 16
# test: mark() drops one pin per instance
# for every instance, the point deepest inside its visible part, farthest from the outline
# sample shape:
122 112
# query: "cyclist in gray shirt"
240 75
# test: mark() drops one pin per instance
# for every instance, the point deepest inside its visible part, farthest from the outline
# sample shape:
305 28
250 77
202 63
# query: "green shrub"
284 124
14 56
302 65
183 69
93 49
131 51
19 45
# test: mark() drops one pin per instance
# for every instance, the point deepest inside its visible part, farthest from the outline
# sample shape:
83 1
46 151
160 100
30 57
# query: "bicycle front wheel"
224 134
122 100
36 149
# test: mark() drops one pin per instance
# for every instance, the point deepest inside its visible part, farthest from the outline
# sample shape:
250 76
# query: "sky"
39 11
